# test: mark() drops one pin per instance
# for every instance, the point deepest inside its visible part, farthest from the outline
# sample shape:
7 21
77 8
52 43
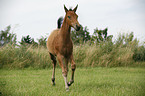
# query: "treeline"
6 37
79 37
89 50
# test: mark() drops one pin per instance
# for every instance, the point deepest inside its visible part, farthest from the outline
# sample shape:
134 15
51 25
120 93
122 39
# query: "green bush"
139 54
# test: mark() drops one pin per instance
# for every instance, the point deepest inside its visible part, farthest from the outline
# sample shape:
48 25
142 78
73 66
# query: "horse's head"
71 18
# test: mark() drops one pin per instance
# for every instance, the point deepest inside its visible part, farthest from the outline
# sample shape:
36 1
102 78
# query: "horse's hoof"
69 84
53 81
53 84
67 89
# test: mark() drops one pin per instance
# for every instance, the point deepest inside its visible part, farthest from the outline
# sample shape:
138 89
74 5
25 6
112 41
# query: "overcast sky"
39 17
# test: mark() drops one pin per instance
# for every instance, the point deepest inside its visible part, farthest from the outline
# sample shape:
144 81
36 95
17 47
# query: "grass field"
88 82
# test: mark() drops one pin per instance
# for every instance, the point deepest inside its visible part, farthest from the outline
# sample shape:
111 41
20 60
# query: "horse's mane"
59 22
70 9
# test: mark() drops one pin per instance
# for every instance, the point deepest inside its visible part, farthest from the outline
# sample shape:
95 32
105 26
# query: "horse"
60 45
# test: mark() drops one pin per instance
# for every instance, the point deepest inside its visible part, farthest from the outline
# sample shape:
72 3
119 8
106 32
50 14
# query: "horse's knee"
64 72
73 67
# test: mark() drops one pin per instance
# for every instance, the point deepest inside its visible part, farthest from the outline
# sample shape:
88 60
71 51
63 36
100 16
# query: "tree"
42 41
80 36
101 36
7 37
28 40
126 40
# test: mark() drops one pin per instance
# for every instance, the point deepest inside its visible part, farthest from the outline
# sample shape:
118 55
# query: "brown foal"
60 45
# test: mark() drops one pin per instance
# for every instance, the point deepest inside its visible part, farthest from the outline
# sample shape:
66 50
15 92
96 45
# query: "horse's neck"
65 31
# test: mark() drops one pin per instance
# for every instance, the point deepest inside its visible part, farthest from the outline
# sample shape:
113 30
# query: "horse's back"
50 40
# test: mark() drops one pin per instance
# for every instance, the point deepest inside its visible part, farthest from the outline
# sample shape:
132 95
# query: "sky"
39 17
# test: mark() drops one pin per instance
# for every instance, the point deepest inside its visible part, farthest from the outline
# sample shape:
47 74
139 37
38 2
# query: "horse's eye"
69 17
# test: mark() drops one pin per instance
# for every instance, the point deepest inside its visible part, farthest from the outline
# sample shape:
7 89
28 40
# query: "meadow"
88 82
104 69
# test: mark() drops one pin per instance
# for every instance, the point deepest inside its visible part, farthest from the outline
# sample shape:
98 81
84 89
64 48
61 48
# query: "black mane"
70 9
59 22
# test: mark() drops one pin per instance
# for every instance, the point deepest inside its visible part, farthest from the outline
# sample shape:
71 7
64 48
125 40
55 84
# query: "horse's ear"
75 8
65 9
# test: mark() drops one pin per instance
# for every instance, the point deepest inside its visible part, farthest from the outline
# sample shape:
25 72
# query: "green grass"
88 82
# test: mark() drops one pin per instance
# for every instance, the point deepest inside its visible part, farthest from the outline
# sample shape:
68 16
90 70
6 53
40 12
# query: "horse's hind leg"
73 67
54 65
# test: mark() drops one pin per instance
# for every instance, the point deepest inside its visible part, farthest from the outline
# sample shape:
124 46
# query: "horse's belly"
50 45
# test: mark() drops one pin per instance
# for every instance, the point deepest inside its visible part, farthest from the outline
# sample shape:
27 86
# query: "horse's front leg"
73 67
64 66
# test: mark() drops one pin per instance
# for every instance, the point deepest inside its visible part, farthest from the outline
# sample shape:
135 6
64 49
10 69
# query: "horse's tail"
59 22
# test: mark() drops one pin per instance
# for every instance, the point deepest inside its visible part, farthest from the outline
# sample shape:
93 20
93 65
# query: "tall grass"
93 56
106 54
24 57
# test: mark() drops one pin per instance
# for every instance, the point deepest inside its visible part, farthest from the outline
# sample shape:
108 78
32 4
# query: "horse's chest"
67 50
64 47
